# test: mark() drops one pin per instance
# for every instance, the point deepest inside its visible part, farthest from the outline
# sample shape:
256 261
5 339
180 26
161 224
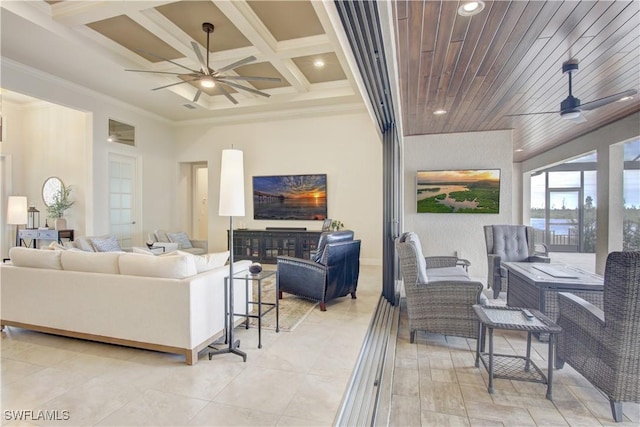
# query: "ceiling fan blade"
237 64
531 114
592 105
205 66
156 72
248 78
165 59
198 93
174 84
227 94
248 89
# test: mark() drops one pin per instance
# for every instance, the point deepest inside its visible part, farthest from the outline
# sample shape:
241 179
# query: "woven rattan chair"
509 243
604 345
444 305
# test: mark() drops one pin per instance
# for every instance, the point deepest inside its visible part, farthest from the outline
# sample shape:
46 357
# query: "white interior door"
200 201
122 199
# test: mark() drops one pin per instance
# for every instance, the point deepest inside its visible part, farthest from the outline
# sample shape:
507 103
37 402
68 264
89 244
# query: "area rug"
293 309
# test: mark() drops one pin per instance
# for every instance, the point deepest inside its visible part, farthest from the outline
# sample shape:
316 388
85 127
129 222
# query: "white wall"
154 149
345 147
446 234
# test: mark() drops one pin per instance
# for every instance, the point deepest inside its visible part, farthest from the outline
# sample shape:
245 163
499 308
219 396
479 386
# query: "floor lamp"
231 204
17 213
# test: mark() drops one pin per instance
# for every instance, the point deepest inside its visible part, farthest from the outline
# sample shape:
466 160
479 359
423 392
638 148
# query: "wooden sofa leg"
323 306
353 295
191 357
279 294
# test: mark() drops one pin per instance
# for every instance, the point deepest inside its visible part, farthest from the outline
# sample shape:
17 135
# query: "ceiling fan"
571 108
208 77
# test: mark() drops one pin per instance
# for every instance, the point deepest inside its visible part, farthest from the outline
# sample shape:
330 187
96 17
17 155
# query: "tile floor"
449 390
298 378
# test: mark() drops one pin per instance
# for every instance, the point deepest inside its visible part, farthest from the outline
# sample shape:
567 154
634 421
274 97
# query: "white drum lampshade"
231 183
17 210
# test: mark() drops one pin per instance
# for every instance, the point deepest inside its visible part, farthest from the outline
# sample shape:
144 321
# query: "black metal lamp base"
233 349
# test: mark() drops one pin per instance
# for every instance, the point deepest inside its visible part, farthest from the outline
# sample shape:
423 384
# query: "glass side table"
258 278
508 366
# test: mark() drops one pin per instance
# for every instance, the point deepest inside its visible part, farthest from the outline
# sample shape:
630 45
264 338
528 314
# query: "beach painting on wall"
290 197
458 191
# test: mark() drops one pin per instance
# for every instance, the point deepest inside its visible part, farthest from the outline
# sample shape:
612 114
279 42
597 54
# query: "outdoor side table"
508 366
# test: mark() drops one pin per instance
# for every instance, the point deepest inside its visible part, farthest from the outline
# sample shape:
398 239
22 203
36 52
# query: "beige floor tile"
509 415
407 363
406 382
479 422
429 418
405 411
547 416
316 398
156 408
442 397
298 422
16 370
218 414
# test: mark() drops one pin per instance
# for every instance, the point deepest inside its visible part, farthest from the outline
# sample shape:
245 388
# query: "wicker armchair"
509 243
604 345
443 303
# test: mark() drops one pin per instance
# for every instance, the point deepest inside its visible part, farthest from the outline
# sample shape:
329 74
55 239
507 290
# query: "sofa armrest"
202 244
443 296
441 261
539 258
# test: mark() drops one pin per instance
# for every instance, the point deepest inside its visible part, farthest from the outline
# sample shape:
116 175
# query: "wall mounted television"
290 197
458 191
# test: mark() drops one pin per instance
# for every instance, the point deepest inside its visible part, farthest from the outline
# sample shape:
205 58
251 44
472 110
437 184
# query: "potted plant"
336 225
60 203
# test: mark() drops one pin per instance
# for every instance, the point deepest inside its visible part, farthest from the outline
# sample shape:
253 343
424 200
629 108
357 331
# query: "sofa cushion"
168 266
208 261
84 243
447 273
97 262
35 258
411 237
181 238
105 244
161 236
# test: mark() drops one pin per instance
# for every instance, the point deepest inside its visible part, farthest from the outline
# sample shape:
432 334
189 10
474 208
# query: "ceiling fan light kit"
208 77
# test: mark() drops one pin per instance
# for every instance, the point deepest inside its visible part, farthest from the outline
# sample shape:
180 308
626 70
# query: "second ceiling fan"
208 77
571 108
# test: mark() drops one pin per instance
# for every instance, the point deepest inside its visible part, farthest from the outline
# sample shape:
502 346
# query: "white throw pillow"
91 262
181 238
411 237
169 266
105 244
35 258
208 261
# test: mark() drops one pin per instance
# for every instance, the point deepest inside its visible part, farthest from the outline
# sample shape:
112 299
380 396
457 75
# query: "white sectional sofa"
158 303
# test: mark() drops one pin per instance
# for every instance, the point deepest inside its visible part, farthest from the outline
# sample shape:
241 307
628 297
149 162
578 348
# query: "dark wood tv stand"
266 245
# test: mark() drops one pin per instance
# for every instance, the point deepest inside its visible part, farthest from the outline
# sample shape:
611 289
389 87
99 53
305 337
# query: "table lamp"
231 204
17 213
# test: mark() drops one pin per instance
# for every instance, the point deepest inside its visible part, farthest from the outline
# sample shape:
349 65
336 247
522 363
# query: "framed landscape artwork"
290 197
458 191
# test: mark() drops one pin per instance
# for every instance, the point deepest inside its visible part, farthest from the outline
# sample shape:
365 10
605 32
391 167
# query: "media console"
266 245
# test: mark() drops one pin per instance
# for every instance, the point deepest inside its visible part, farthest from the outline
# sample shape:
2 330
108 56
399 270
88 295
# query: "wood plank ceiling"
508 60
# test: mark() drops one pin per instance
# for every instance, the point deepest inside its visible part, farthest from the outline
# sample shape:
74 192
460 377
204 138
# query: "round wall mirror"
50 188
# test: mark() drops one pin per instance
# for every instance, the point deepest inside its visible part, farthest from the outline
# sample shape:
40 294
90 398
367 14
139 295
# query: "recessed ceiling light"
440 112
318 63
207 82
625 98
471 8
519 150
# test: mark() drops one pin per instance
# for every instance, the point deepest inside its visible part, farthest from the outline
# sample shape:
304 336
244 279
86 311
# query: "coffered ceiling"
508 60
93 42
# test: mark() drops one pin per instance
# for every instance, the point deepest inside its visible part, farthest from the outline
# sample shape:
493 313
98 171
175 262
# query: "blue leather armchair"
331 273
